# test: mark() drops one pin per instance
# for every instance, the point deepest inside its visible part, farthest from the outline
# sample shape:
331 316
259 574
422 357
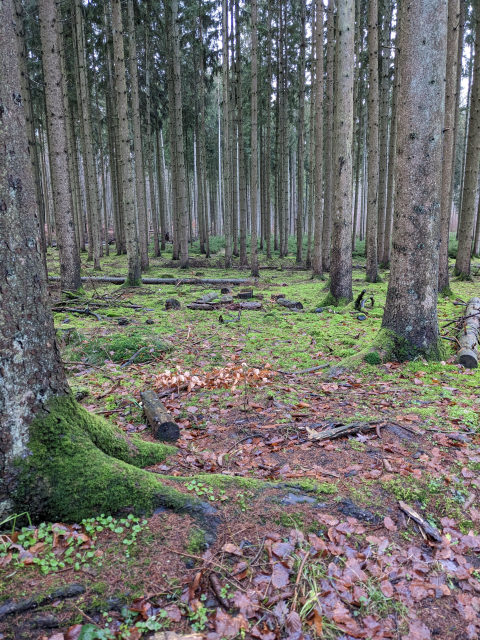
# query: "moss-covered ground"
244 447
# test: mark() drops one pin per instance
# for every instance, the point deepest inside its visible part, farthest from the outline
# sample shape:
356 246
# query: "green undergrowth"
120 346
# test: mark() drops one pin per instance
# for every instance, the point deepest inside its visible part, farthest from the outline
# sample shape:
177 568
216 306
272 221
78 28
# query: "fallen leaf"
418 631
73 632
280 576
173 612
232 548
389 524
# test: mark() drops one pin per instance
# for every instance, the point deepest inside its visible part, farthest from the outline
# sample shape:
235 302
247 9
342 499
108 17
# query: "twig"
296 373
299 575
85 616
130 360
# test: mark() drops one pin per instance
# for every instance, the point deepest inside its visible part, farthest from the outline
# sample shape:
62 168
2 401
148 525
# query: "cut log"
174 281
468 337
208 297
244 295
198 306
290 304
163 426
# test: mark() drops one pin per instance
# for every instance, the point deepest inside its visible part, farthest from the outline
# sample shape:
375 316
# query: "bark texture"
411 308
317 264
341 253
448 141
130 222
467 214
328 203
58 146
254 144
373 131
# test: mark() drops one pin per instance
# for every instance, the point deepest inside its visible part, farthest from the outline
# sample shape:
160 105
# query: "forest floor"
324 550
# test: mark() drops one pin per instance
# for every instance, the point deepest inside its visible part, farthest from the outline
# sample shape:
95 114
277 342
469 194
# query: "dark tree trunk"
411 308
58 147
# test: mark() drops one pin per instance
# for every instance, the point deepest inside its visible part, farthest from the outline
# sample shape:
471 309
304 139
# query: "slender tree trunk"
254 145
311 155
385 11
317 262
137 145
392 151
227 201
467 217
62 194
91 185
241 145
202 143
465 136
411 308
130 223
162 199
461 29
341 253
301 135
329 132
448 142
102 166
373 128
150 145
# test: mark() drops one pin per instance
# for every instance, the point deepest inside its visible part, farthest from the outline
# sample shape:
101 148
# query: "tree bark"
301 135
254 144
373 130
467 218
241 146
91 184
329 132
448 142
317 261
130 223
341 252
137 145
227 200
58 147
411 308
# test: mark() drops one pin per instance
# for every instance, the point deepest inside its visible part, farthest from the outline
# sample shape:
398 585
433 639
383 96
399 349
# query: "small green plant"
196 541
201 489
199 618
357 445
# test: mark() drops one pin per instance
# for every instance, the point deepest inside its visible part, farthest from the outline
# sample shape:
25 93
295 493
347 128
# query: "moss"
462 277
121 346
80 466
196 541
331 301
132 283
372 357
447 292
377 281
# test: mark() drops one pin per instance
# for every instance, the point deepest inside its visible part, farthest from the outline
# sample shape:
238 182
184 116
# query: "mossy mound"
373 357
121 346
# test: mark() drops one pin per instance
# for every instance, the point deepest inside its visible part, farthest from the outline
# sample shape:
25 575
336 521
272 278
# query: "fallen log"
201 306
338 431
468 337
163 426
174 281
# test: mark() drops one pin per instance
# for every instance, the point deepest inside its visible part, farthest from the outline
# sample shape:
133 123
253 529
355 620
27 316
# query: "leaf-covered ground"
323 549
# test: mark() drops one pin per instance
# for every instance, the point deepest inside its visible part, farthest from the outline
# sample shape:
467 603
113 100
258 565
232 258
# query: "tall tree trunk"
341 252
392 150
465 135
311 154
268 141
130 223
373 128
56 123
241 146
102 166
385 11
162 197
254 145
467 216
150 145
137 145
410 315
448 142
227 200
329 132
301 135
91 185
317 262
202 143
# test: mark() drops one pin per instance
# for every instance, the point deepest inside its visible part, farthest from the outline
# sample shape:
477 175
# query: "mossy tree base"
447 292
462 277
388 347
331 301
80 466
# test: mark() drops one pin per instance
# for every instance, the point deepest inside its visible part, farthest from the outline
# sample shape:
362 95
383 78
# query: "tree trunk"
91 185
410 316
137 145
301 136
241 146
58 147
448 142
341 252
467 217
254 145
385 11
317 262
130 223
311 155
151 146
227 200
373 128
328 202
202 144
